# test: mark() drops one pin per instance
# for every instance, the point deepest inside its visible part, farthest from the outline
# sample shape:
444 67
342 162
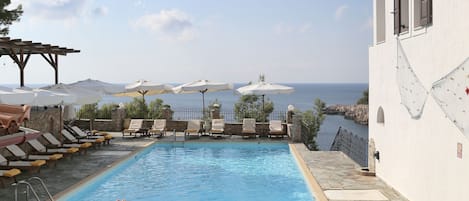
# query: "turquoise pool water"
202 171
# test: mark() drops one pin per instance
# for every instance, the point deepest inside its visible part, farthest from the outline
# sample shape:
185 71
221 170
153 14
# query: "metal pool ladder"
28 183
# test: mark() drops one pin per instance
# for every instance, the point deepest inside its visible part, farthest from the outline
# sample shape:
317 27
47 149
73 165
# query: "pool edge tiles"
311 182
105 171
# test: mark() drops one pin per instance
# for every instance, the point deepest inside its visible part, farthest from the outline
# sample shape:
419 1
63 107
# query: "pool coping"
313 185
100 172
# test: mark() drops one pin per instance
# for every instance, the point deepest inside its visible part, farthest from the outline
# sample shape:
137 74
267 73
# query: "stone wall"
358 113
44 119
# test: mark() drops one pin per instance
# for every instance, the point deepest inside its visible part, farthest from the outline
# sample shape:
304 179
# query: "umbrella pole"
263 113
203 105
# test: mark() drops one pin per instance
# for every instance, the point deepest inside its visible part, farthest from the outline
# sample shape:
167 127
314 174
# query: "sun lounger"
249 128
57 144
69 137
158 128
193 129
218 128
276 129
81 134
8 176
41 149
33 166
20 154
135 127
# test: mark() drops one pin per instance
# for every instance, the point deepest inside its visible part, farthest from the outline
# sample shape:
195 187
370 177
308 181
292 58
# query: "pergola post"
21 62
54 62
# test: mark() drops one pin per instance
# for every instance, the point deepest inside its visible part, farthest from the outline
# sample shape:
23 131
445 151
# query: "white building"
419 112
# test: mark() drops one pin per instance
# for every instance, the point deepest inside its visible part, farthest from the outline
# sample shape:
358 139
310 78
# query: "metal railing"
30 188
353 146
228 116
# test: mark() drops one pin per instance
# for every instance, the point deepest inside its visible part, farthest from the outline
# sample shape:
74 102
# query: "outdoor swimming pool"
201 171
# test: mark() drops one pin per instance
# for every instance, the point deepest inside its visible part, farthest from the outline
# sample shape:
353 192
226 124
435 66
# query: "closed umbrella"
202 86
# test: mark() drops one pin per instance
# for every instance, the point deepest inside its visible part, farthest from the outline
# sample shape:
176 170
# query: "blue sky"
173 41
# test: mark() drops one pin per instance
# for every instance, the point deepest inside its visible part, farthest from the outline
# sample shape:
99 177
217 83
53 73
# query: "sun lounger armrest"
12 172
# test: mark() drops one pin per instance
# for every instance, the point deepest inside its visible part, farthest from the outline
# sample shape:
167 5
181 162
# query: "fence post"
296 128
117 117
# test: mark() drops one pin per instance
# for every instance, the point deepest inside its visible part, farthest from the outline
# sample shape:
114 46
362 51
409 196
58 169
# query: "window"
380 116
401 16
422 13
380 21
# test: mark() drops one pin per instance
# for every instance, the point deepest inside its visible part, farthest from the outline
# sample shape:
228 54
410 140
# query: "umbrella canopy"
202 86
100 86
83 96
8 96
144 87
263 88
44 97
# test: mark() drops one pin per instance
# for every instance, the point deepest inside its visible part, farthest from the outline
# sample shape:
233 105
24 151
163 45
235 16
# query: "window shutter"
397 17
424 12
404 15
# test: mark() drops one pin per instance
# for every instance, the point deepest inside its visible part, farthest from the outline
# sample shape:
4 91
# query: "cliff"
358 113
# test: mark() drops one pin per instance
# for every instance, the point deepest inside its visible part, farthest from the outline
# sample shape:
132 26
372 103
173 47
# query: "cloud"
53 9
339 12
170 23
100 11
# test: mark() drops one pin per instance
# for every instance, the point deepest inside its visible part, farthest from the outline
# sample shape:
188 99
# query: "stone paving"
339 176
332 170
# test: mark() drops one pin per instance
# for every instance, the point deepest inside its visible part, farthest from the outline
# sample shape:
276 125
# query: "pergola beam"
17 49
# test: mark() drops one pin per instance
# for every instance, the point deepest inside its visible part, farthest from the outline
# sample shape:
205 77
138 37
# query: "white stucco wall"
419 156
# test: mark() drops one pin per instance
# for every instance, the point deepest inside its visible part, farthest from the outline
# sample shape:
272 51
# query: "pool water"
202 171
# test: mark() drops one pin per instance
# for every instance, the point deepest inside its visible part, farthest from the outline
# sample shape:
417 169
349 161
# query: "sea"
302 99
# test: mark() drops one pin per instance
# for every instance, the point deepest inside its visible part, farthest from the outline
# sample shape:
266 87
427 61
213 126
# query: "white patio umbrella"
144 87
99 86
262 88
83 96
202 86
44 97
8 96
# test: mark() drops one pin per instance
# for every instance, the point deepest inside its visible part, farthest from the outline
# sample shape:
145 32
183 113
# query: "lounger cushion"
11 173
72 150
38 163
86 145
56 156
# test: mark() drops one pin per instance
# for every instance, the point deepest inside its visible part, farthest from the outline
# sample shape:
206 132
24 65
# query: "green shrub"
250 106
312 120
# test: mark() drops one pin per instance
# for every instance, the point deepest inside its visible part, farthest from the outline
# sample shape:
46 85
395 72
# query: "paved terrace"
333 171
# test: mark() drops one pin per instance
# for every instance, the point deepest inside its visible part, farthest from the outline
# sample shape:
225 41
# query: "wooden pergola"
20 51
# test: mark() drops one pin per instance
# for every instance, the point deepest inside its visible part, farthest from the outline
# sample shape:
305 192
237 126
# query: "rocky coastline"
358 113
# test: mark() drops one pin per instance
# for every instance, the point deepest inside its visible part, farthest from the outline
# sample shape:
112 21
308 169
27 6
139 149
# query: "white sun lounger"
33 166
82 134
53 141
249 128
158 128
69 137
18 152
40 148
193 129
218 128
